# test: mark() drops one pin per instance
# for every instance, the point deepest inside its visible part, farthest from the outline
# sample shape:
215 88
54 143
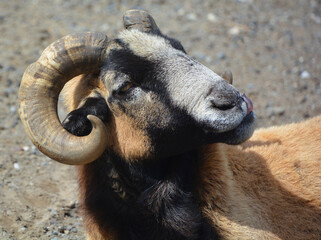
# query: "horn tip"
141 20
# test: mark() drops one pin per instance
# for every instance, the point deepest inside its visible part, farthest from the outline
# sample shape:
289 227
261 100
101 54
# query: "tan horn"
41 84
140 20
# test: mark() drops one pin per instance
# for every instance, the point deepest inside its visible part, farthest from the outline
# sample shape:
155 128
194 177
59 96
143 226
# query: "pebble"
16 166
25 148
305 75
191 16
22 229
13 109
212 17
34 150
234 31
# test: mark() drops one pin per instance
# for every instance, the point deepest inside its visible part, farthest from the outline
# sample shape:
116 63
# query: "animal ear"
227 76
140 20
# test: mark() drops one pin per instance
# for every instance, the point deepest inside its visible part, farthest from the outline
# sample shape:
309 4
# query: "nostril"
223 105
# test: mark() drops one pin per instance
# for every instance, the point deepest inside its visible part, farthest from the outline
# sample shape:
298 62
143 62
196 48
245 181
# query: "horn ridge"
41 84
140 20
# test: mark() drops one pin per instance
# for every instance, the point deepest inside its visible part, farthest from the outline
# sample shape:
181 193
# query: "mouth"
248 102
239 132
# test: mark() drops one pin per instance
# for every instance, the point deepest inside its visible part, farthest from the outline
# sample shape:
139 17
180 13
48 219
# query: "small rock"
13 109
16 166
22 229
74 230
34 150
212 17
25 148
305 75
234 31
1 165
191 16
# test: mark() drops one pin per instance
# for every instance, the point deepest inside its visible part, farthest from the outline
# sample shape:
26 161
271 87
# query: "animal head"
160 101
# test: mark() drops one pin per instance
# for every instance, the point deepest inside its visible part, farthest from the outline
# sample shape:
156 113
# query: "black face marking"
125 61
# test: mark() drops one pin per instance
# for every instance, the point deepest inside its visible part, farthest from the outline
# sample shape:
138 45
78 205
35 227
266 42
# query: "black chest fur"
147 201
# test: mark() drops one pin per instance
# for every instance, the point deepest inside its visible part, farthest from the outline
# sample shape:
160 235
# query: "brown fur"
80 88
126 140
266 188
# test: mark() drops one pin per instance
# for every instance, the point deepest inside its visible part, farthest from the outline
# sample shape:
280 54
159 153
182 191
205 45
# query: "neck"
148 200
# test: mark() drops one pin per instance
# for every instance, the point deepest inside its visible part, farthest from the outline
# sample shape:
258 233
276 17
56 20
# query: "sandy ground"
273 48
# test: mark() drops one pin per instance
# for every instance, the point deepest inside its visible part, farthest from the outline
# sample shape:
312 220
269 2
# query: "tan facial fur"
126 139
80 88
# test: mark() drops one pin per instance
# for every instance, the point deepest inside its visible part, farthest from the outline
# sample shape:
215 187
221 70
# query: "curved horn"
41 84
140 20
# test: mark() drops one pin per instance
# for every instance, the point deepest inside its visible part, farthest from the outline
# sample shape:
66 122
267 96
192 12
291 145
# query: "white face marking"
145 45
191 86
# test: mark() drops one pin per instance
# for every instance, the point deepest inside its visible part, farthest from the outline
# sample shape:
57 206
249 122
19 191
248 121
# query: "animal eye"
127 86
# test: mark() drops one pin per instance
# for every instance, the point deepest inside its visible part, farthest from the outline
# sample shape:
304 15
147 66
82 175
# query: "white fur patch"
145 45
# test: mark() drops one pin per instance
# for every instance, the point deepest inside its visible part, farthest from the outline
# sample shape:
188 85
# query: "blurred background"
272 47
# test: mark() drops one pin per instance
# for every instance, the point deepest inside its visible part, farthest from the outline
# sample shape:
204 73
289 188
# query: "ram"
168 150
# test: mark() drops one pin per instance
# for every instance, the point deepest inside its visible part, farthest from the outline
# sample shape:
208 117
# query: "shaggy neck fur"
152 200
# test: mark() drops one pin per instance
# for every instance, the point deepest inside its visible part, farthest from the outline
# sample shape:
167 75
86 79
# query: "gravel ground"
272 47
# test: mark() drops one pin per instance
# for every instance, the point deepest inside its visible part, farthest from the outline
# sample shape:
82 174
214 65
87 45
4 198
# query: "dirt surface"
272 47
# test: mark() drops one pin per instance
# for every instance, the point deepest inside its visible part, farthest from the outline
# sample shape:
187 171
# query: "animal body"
167 150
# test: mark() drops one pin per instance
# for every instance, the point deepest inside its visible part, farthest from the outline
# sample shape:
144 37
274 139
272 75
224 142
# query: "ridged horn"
140 20
41 84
